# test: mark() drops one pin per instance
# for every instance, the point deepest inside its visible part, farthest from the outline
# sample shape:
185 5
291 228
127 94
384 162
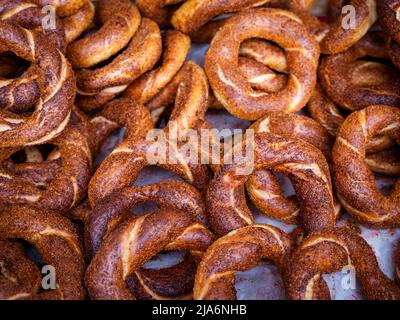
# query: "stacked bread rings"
94 94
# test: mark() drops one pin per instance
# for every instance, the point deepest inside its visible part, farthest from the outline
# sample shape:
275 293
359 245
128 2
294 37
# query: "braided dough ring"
232 89
57 241
19 277
112 210
118 27
66 187
166 195
264 66
168 95
382 157
328 252
29 15
339 84
306 167
50 79
80 21
134 242
100 85
354 181
239 250
62 168
262 186
130 157
176 49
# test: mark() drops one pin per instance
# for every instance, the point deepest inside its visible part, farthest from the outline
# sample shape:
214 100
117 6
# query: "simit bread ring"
34 172
167 96
134 242
388 18
100 85
29 15
266 53
307 168
239 250
63 189
80 21
166 195
39 172
114 209
58 243
64 8
191 16
232 89
382 157
49 80
143 89
118 27
338 82
262 186
354 181
130 157
19 277
339 33
328 252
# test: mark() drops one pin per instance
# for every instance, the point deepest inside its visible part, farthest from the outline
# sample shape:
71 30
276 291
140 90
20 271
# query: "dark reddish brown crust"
239 250
100 85
119 24
173 195
339 84
333 37
58 243
265 53
63 189
305 165
157 10
171 283
323 110
379 158
262 187
136 241
29 15
79 22
388 11
354 181
176 48
231 87
130 157
393 49
49 78
193 14
114 209
19 277
167 95
261 77
328 252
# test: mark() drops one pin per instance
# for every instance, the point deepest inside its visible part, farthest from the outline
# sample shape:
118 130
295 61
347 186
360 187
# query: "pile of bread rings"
324 104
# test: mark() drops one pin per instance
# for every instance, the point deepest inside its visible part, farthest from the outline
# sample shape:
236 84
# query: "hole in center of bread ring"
231 87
